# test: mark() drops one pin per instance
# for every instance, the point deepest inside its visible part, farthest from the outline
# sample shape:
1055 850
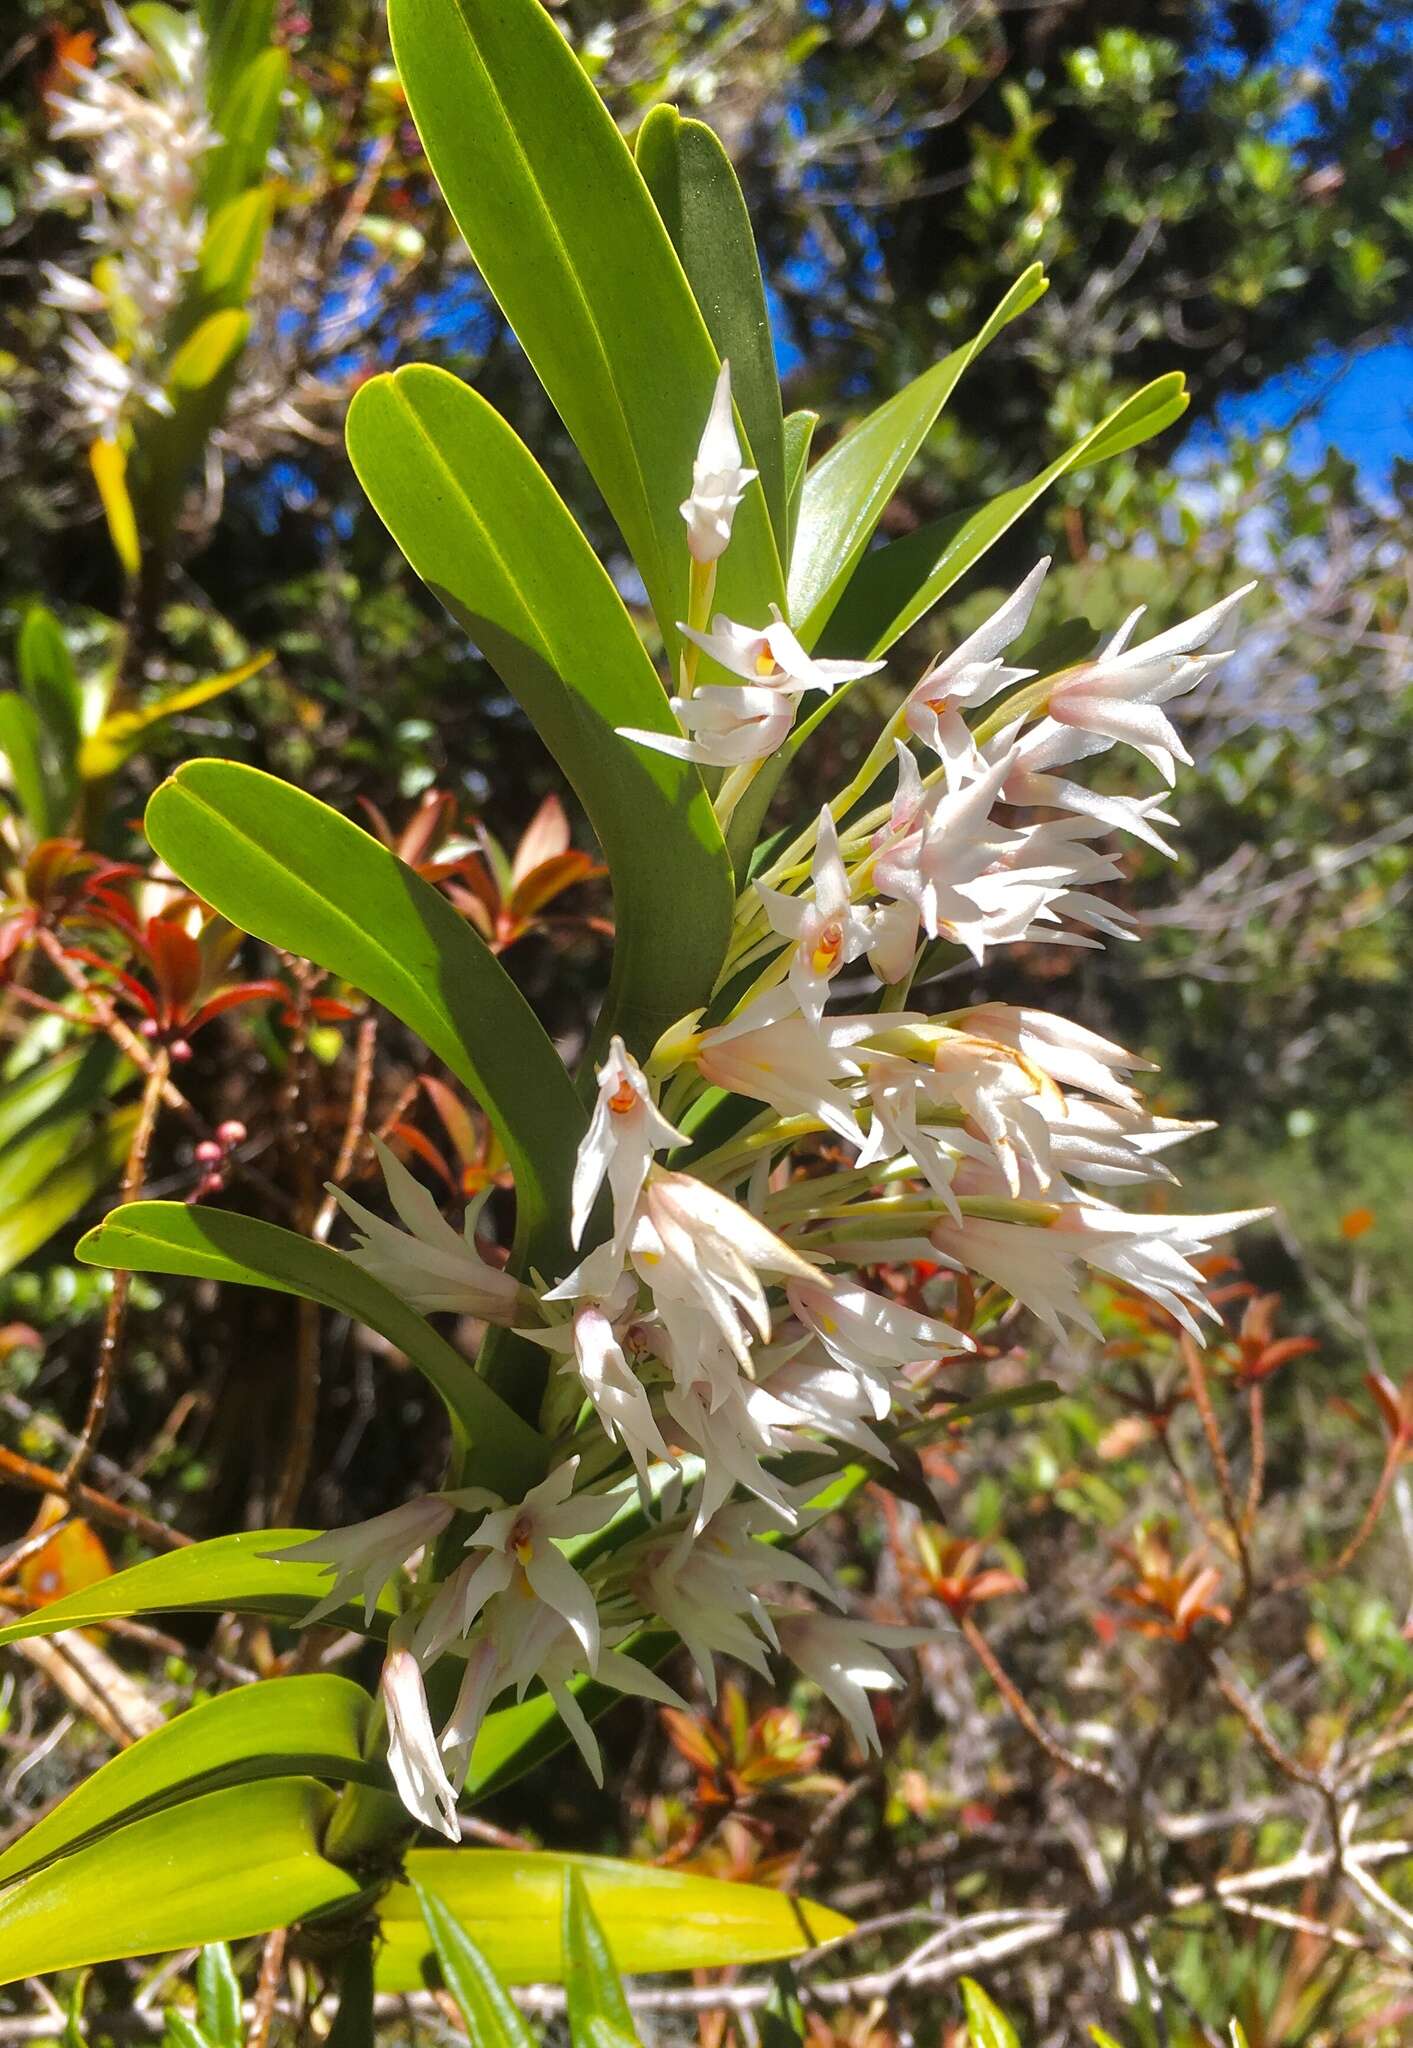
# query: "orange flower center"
827 948
624 1098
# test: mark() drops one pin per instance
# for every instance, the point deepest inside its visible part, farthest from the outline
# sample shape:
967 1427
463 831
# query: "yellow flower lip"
766 664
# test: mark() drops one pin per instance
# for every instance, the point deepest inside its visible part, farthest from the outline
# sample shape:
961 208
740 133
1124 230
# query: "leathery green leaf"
699 197
486 531
219 1868
509 1903
846 491
314 1725
565 233
227 1574
215 1244
282 865
492 2020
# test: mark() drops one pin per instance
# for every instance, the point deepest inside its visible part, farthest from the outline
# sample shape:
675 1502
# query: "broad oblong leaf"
228 1573
219 1868
215 1244
282 865
565 233
315 1725
509 1904
699 197
845 493
486 531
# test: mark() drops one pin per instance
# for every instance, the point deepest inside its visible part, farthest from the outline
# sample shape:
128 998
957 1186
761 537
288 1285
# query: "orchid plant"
685 1364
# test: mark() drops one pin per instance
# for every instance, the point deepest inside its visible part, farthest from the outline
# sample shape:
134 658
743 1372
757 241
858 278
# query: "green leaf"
597 2009
596 2006
169 447
703 209
78 1163
249 120
75 1078
564 231
509 1903
283 866
492 2020
219 1868
846 491
987 2025
314 1725
782 2019
236 32
180 2031
353 2025
218 1988
487 532
227 1574
216 1244
122 732
895 586
22 746
50 681
799 433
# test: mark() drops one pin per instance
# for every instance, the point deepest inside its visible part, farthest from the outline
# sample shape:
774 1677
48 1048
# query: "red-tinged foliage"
504 897
948 1569
183 989
1169 1597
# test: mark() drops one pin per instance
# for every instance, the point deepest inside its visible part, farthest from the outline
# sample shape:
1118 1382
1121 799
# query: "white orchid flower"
413 1755
691 1244
1069 1053
366 1555
972 674
829 930
724 726
777 1055
428 1263
718 480
1117 695
844 1658
596 1342
624 1132
772 655
520 1540
869 1334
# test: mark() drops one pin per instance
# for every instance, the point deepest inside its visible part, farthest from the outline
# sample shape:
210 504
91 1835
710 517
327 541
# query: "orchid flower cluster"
716 1342
140 117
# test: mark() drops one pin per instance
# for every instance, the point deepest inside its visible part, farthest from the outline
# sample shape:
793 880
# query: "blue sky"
1359 403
